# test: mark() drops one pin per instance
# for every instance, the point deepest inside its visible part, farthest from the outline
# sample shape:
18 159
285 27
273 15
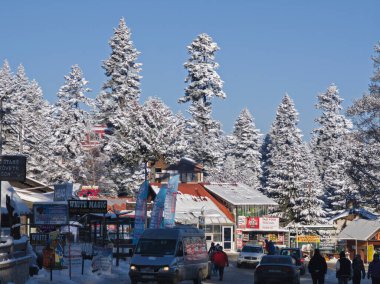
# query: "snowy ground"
118 275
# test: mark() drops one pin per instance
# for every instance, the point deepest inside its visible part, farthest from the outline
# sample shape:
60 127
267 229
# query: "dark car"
296 253
277 268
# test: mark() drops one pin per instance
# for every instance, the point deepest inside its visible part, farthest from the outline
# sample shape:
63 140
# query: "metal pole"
117 240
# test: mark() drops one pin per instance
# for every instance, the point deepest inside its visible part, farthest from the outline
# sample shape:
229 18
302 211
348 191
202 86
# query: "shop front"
258 229
361 237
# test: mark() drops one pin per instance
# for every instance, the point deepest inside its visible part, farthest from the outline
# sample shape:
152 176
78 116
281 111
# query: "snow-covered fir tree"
331 150
118 108
310 197
364 162
246 144
284 165
71 123
30 115
204 83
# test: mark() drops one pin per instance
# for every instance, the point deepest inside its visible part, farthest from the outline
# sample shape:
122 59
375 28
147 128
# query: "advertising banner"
239 239
102 260
308 239
158 209
170 201
253 222
63 191
140 211
269 223
41 239
242 222
50 214
81 207
371 251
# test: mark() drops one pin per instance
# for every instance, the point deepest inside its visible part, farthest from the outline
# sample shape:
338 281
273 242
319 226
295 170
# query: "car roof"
253 245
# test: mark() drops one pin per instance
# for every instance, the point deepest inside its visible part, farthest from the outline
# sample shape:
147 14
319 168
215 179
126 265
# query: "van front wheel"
199 278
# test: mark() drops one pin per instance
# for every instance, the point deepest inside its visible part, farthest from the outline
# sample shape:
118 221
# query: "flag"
140 211
158 208
170 202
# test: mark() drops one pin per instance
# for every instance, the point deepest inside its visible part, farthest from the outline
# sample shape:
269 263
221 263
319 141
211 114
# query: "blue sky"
267 48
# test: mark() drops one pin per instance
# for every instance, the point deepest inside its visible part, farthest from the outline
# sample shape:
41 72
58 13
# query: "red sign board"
253 222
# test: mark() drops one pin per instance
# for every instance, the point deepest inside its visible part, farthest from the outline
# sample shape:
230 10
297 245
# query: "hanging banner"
170 201
158 208
63 191
269 223
308 239
140 211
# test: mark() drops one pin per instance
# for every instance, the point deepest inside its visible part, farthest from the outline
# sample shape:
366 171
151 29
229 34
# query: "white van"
170 255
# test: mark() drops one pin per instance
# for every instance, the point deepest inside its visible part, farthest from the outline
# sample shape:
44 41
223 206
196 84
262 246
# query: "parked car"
250 254
296 253
279 268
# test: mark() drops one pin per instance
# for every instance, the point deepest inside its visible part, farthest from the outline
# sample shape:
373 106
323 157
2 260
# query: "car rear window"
252 249
276 260
291 252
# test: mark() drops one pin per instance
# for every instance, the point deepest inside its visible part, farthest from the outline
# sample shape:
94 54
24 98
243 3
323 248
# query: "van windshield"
156 246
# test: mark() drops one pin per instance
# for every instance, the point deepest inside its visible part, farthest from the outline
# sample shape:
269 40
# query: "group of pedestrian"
219 260
345 270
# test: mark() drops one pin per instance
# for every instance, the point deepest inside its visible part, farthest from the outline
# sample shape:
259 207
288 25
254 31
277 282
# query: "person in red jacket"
220 259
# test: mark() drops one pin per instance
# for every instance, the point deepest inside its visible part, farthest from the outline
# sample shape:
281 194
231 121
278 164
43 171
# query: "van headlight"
133 268
165 269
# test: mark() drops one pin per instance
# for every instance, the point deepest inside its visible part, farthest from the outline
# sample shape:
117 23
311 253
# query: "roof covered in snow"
360 229
193 200
19 206
355 211
239 194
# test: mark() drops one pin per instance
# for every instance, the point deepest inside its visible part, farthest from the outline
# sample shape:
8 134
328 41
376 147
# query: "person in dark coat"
357 269
374 270
317 267
343 269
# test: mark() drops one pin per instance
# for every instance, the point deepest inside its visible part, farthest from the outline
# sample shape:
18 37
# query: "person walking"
317 268
220 258
343 269
357 269
212 248
374 270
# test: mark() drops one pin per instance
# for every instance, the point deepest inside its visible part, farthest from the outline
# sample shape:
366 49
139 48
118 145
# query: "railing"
14 261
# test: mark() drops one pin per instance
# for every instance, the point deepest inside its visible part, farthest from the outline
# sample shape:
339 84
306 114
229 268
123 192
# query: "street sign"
80 207
63 192
12 168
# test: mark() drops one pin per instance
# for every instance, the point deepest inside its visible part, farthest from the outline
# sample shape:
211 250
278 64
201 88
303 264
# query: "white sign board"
269 223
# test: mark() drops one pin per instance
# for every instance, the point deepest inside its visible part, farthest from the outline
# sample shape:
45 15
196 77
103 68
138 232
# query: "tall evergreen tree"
364 162
309 201
118 107
331 150
204 84
285 162
71 123
246 149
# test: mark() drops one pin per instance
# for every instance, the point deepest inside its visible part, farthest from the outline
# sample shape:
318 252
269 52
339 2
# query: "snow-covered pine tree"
7 90
30 123
202 132
364 162
118 108
71 123
285 162
247 144
123 85
309 201
331 150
